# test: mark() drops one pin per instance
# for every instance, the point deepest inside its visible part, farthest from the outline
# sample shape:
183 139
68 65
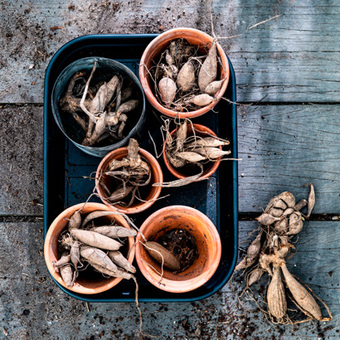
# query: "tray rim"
234 211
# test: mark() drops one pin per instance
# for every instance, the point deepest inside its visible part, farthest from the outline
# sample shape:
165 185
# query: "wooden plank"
291 146
291 58
285 147
316 264
34 307
287 76
21 154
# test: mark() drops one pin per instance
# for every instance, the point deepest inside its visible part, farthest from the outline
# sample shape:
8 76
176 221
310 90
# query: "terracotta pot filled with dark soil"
178 249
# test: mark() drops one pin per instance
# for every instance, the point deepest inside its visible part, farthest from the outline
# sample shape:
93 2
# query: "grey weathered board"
292 58
284 63
32 307
281 147
284 147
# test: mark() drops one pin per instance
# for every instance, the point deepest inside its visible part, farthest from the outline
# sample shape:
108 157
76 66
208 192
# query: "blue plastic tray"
67 169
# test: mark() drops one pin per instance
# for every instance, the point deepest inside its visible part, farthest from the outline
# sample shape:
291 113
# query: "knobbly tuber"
124 179
303 298
115 231
66 274
75 220
200 100
64 259
186 76
118 258
208 71
103 110
91 240
167 89
97 257
276 297
280 222
162 255
117 273
214 87
192 150
94 239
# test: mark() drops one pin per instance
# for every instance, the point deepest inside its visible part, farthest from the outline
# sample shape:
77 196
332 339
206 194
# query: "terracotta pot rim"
178 174
156 190
190 284
176 33
77 288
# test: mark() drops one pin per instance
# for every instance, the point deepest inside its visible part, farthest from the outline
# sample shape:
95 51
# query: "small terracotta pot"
83 284
210 167
155 49
208 246
152 192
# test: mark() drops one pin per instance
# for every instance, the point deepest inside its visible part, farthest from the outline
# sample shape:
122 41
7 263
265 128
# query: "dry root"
104 108
280 222
190 150
186 76
123 180
96 244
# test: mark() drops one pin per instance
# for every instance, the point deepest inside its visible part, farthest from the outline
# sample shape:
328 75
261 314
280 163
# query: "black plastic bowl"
105 70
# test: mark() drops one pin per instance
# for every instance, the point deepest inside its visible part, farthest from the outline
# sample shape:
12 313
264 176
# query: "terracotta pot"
153 52
209 168
208 246
84 284
150 193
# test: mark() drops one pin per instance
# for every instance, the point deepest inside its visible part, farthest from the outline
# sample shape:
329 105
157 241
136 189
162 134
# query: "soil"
182 244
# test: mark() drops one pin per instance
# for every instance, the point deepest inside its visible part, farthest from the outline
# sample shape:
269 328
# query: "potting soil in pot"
182 244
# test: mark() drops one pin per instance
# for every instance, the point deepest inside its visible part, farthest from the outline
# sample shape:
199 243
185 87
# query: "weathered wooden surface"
284 147
292 58
21 154
32 307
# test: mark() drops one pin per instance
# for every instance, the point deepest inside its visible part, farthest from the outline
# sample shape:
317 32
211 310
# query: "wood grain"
285 147
316 264
292 58
21 154
34 307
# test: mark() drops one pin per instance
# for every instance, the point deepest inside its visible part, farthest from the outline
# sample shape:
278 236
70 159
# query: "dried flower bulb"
288 211
300 205
288 198
311 200
276 296
275 202
255 276
267 219
295 228
281 227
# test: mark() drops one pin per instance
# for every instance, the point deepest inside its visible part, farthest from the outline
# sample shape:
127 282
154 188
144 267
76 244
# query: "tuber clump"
92 244
187 77
126 180
280 222
102 104
190 150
